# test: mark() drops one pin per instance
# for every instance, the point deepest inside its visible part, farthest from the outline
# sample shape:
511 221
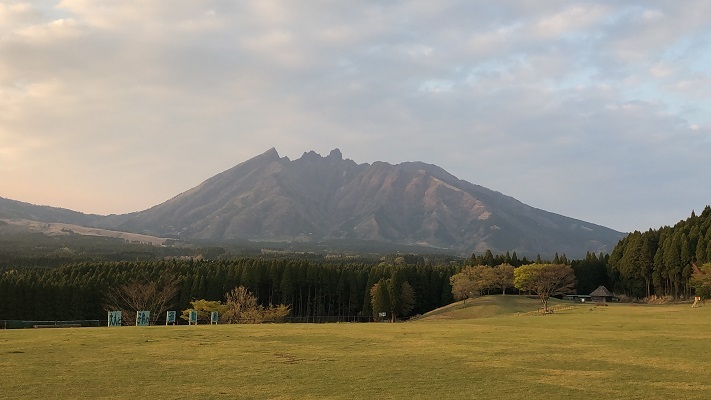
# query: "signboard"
213 318
143 318
170 317
193 318
115 318
383 314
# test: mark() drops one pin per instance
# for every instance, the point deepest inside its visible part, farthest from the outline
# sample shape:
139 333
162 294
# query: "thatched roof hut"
603 295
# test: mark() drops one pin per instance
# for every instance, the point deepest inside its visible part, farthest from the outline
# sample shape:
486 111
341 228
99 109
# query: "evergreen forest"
68 287
312 289
661 262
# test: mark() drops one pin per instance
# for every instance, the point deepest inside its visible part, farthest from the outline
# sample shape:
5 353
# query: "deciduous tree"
545 280
701 281
204 309
504 276
156 297
241 307
464 286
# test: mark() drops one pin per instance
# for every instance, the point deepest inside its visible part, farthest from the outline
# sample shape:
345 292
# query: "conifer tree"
380 299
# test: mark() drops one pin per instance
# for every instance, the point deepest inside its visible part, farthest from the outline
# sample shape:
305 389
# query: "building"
602 295
580 298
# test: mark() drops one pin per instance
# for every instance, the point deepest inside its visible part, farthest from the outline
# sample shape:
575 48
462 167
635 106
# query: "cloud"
573 19
591 109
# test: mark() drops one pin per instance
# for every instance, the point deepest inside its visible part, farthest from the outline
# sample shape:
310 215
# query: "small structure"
602 295
579 298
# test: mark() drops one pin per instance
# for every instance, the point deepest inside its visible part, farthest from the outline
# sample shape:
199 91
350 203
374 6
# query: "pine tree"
380 298
489 259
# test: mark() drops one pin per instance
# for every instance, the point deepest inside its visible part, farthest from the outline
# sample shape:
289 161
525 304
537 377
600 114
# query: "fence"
551 310
20 324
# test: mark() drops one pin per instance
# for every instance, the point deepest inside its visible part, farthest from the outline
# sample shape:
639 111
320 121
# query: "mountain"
315 198
19 210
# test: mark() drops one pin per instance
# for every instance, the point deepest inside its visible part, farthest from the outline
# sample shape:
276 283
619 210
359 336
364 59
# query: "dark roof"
601 291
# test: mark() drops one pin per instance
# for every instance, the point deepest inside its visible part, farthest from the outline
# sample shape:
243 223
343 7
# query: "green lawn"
615 352
489 306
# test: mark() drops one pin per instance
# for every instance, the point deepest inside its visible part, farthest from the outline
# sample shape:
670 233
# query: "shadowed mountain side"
318 198
266 198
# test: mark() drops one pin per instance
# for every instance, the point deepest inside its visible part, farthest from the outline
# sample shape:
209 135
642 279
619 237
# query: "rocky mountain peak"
319 198
335 154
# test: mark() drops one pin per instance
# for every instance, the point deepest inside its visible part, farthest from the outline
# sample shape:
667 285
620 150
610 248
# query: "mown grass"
488 306
620 351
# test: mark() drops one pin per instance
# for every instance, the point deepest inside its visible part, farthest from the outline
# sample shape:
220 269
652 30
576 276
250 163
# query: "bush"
241 307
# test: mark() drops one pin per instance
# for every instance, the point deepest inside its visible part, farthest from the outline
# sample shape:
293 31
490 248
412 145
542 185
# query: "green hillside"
487 306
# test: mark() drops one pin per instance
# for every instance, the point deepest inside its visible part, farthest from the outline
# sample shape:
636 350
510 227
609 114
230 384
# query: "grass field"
614 352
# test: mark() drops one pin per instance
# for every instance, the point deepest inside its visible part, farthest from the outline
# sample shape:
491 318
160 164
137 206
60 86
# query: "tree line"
661 262
311 289
399 285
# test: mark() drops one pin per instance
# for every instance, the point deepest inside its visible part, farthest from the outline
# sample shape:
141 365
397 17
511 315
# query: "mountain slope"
19 210
317 198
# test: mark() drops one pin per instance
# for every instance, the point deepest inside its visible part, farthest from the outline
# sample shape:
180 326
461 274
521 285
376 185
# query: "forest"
314 289
661 262
66 287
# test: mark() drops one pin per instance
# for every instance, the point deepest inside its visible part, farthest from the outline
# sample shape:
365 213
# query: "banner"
143 318
115 318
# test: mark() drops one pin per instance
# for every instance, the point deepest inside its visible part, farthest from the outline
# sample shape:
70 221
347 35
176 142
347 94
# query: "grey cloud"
551 102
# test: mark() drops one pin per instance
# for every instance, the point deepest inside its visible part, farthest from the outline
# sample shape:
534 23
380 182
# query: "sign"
383 314
143 318
170 317
193 318
115 318
213 318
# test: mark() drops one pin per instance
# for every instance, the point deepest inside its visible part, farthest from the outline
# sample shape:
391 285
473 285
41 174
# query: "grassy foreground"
620 351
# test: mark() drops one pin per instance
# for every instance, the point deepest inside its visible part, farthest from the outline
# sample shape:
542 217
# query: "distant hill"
62 229
19 210
317 199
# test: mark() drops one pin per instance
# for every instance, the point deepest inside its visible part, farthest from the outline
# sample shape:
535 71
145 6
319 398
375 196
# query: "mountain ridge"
315 198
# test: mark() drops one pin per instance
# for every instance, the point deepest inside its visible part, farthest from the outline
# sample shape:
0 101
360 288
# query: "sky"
597 110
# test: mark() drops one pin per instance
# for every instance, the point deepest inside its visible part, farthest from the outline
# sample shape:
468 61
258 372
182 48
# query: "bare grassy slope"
487 306
58 228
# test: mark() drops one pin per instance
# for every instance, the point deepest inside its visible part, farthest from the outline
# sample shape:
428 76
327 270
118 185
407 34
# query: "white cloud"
652 15
661 70
16 15
591 101
494 41
572 19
